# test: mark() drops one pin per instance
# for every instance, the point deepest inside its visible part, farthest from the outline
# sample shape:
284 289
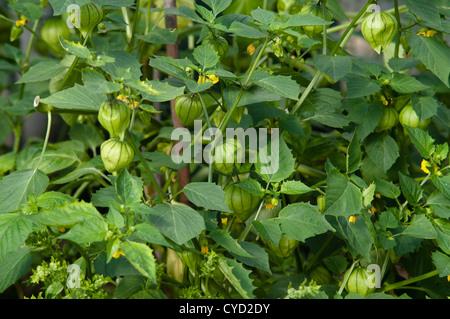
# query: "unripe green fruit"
288 6
241 202
314 31
188 108
116 154
321 275
227 157
388 120
219 45
51 30
285 248
114 116
409 118
90 15
358 282
379 29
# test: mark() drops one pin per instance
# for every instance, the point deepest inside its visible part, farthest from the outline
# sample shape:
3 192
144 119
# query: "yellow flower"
118 253
208 78
424 166
205 249
427 33
224 220
270 206
448 278
352 219
131 103
251 48
21 22
61 229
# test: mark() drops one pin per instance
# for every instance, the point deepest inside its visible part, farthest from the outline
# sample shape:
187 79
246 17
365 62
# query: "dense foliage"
357 207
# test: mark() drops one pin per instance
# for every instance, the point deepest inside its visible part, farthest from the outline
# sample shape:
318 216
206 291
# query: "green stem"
399 29
411 280
228 115
134 27
324 33
144 163
47 136
344 282
72 66
205 112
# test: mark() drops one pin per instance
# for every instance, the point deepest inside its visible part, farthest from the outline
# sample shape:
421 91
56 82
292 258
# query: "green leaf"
367 116
342 197
336 67
295 188
404 84
160 36
259 257
243 30
276 166
424 106
420 227
76 48
224 239
264 16
387 189
252 186
124 67
85 168
411 189
439 204
129 188
442 263
67 215
141 257
53 161
42 71
443 184
301 221
205 56
281 85
356 234
401 64
150 234
87 231
15 188
156 91
354 155
433 54
75 99
383 150
388 220
423 142
218 6
97 84
299 20
14 230
270 230
428 12
14 267
178 222
51 199
87 134
206 195
238 276
359 86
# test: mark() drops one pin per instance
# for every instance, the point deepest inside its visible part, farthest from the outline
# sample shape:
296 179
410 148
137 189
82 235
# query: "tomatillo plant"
217 150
